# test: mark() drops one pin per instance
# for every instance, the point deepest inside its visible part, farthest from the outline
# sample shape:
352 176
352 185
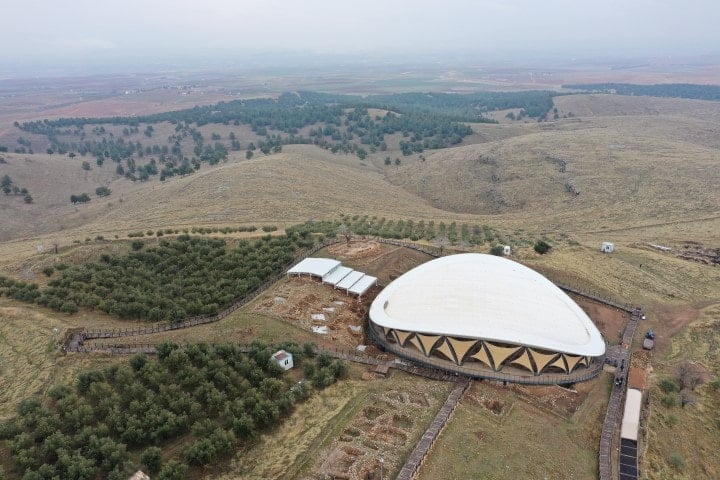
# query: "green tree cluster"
207 398
178 278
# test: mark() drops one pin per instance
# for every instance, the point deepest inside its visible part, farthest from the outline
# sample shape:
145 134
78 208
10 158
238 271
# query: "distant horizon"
87 36
299 61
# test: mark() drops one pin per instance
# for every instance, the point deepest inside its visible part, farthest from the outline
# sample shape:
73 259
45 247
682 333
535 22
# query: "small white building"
607 247
507 251
283 359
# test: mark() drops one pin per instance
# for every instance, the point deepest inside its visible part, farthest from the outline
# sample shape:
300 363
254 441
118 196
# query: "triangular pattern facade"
524 360
482 356
542 360
428 342
499 354
445 349
461 347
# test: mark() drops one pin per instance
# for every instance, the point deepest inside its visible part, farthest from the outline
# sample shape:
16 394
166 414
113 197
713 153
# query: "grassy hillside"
626 170
646 171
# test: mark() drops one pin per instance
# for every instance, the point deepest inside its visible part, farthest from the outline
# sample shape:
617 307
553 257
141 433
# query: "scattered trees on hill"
8 187
453 234
6 184
82 198
204 399
340 123
102 191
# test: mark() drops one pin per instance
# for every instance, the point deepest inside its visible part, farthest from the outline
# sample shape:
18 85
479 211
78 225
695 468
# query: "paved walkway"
616 356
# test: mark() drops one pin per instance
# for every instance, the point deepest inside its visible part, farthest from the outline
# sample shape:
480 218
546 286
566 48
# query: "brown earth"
666 321
609 320
383 429
386 262
296 299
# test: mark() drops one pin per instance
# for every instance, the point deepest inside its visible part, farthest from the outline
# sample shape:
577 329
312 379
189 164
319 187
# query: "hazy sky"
86 30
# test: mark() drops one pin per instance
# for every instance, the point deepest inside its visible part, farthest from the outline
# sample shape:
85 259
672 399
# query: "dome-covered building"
468 308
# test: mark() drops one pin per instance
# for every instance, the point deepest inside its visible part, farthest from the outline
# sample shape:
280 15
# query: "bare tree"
441 242
686 398
345 231
688 376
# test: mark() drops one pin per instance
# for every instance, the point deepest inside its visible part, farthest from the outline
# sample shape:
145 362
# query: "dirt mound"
355 249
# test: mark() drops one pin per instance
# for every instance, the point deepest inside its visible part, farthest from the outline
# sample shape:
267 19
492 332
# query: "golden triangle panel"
500 354
572 362
482 356
461 347
414 340
428 342
542 360
524 360
560 363
402 336
444 348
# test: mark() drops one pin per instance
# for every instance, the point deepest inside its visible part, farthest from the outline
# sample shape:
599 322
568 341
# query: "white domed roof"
487 297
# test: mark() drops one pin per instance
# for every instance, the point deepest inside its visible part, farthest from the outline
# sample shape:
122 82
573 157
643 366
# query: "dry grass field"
497 434
347 429
646 169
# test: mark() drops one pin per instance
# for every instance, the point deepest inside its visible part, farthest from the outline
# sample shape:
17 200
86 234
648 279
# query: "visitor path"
616 356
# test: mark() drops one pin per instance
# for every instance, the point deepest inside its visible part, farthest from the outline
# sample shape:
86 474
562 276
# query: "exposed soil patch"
386 262
667 321
561 401
609 320
354 250
316 307
493 399
380 434
312 305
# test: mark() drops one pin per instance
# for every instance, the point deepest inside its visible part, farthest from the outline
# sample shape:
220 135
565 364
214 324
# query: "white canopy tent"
363 285
317 267
336 275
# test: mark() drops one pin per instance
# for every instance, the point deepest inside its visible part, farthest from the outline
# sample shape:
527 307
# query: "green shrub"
667 385
48 271
69 307
173 470
672 420
677 461
151 457
542 247
669 401
497 250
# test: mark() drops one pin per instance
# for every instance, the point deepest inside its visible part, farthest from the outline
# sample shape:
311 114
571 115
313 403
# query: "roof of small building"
280 355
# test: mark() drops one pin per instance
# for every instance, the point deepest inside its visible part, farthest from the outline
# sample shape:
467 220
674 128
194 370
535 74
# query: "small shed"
607 247
507 251
283 359
139 475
